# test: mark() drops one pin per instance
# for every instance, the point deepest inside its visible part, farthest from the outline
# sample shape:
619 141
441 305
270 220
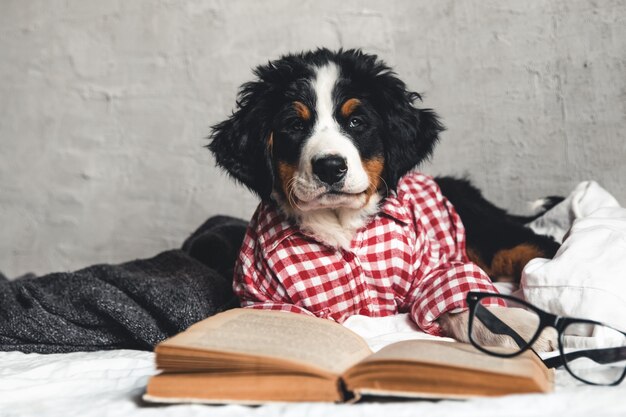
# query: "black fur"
396 129
411 133
490 229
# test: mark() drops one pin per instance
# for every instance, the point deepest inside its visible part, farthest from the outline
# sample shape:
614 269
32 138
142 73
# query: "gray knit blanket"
134 305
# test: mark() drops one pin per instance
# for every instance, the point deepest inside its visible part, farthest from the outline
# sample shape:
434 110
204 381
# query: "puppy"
329 141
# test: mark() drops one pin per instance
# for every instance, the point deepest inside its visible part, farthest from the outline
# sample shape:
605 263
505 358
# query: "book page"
454 354
285 336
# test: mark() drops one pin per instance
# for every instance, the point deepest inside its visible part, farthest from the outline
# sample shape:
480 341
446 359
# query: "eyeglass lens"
492 330
594 353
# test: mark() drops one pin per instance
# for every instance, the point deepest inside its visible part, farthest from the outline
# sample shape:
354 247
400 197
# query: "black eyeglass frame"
545 320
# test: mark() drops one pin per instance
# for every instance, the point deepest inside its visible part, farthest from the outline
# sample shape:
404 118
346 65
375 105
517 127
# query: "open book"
256 356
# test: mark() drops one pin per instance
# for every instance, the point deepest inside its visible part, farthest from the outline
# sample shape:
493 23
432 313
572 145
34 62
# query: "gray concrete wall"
104 106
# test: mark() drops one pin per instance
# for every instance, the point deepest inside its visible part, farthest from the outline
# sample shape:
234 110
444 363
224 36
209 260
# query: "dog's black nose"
330 169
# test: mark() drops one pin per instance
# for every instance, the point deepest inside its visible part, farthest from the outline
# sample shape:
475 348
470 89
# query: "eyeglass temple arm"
497 326
603 356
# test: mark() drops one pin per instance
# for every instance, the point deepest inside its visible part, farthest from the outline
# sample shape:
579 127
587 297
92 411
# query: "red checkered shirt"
410 257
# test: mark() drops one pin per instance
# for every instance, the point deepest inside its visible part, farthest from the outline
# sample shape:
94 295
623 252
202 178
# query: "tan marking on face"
349 106
373 168
507 264
286 173
302 110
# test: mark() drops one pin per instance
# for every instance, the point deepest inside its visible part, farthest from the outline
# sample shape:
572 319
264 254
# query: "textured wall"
104 106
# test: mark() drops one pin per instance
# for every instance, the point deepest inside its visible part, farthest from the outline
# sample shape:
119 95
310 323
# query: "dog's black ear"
410 133
242 143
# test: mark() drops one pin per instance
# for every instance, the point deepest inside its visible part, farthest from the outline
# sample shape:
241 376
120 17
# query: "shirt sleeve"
254 283
445 274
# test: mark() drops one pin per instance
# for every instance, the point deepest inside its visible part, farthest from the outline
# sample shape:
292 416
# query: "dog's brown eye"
355 122
298 126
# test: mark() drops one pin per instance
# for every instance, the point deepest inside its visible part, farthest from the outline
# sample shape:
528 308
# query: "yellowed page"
459 355
286 336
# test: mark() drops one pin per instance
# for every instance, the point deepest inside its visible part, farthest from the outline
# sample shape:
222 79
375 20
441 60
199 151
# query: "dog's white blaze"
323 85
333 219
327 137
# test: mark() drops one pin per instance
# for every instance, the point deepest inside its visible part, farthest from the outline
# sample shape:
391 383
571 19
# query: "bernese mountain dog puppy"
329 142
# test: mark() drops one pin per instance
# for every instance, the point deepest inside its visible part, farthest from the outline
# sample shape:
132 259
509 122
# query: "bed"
111 382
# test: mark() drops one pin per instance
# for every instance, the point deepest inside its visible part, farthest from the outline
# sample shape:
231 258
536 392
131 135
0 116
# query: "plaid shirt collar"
277 226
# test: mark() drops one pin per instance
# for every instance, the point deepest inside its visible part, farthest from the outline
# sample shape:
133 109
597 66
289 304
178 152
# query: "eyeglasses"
598 356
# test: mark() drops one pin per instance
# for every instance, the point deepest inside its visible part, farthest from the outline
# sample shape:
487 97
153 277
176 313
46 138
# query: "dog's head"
324 129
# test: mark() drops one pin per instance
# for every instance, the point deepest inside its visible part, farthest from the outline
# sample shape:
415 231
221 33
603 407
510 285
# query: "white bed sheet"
110 383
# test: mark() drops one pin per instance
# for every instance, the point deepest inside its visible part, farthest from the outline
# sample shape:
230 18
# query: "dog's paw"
521 321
